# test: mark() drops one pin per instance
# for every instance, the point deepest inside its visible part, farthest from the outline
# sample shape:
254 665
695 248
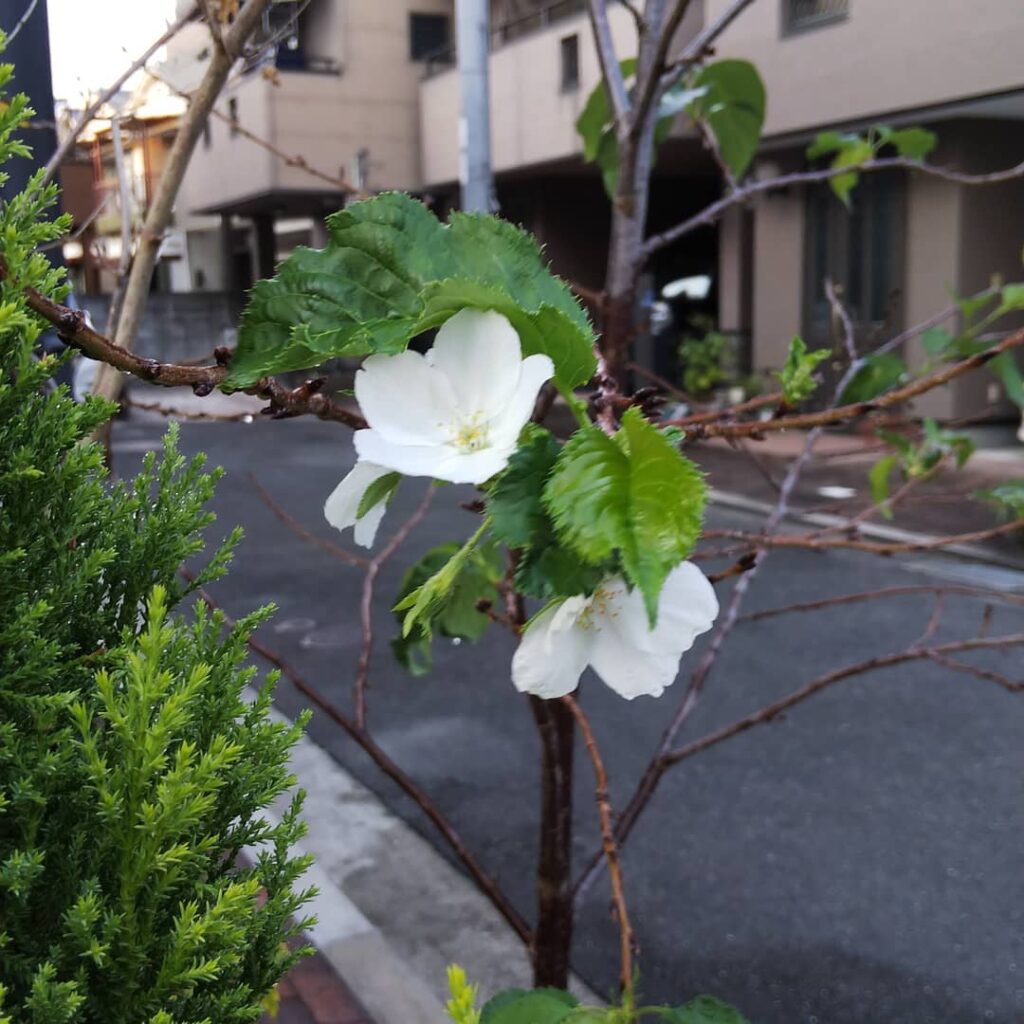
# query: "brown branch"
610 847
484 882
883 593
714 211
348 557
366 601
68 142
771 711
837 414
181 414
975 670
611 73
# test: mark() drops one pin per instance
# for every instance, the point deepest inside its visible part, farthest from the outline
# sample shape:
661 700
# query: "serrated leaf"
878 479
880 373
797 375
392 270
541 1006
634 495
733 106
514 503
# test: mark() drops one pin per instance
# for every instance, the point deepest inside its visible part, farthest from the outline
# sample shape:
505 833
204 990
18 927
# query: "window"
429 35
860 250
798 15
570 50
233 115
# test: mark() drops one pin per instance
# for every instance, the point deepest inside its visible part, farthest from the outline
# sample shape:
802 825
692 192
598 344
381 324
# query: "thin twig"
366 601
772 711
975 670
29 11
348 557
746 192
611 849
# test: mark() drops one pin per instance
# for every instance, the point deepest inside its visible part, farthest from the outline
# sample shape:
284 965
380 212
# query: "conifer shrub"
139 879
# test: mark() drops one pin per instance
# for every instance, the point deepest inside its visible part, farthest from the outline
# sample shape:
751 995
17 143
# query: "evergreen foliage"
133 771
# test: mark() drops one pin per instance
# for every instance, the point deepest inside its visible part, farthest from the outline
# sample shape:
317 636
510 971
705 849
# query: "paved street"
858 861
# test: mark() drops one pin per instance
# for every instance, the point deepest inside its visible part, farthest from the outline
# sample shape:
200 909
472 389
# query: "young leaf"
732 104
380 490
1011 298
514 504
937 341
850 155
1004 367
541 1006
633 495
797 375
829 142
879 374
1008 498
878 478
707 1010
913 143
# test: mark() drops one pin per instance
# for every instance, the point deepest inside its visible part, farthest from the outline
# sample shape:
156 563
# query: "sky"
89 40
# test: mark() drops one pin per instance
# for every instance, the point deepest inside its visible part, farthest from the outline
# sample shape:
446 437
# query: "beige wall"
886 56
371 104
532 118
778 276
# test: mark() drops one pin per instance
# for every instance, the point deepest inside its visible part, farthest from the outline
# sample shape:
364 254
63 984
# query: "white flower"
456 413
342 507
610 632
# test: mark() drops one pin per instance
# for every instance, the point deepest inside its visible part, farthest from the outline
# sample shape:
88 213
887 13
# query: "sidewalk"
312 993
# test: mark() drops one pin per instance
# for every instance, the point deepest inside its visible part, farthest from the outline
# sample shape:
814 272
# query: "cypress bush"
134 769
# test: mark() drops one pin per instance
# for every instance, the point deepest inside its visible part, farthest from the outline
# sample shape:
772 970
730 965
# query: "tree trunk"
553 937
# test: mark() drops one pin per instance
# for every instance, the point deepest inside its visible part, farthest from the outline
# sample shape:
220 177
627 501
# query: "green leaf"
851 155
452 613
878 478
1008 497
596 117
797 375
732 105
971 305
541 1006
707 1010
391 271
879 374
914 143
380 490
1011 298
829 142
937 341
1004 367
514 504
634 495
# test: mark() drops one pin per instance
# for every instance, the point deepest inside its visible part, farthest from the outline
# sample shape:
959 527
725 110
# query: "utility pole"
29 52
473 37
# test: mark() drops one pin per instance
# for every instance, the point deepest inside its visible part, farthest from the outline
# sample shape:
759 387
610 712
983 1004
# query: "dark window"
570 48
233 115
860 250
429 35
798 15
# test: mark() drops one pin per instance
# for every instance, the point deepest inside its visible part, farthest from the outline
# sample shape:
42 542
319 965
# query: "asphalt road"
858 861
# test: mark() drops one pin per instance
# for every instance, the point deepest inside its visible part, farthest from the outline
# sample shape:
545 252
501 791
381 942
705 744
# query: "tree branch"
714 211
609 60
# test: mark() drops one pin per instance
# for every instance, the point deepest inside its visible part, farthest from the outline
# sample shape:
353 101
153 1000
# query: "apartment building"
368 95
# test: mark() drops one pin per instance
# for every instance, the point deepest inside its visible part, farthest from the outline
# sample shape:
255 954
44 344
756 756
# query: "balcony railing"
799 15
509 31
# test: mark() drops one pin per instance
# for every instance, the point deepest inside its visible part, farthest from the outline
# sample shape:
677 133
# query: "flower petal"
506 425
342 506
687 607
628 671
553 652
480 355
405 399
472 467
408 459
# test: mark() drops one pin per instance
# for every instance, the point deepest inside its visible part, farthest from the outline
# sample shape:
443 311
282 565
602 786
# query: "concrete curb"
391 912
